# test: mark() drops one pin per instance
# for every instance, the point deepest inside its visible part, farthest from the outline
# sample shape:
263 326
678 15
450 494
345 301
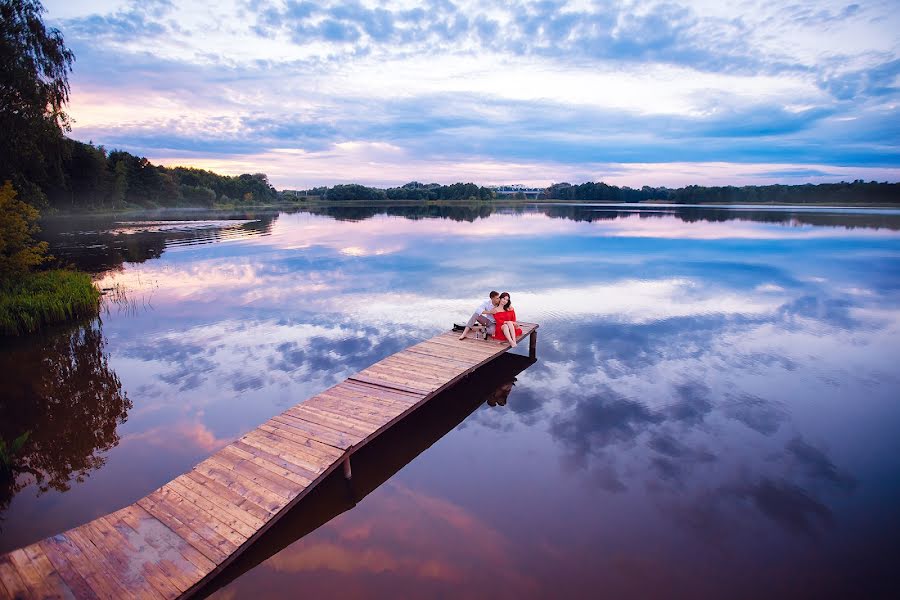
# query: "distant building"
515 189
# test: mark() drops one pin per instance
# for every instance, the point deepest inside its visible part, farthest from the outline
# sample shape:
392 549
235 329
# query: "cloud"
493 91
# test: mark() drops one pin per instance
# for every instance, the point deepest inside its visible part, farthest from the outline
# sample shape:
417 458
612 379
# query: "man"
483 315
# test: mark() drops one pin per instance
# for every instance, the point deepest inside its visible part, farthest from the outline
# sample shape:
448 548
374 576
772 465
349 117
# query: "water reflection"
97 244
61 389
791 216
716 397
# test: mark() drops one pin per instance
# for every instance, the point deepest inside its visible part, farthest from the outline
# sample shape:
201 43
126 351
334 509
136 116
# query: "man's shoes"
458 327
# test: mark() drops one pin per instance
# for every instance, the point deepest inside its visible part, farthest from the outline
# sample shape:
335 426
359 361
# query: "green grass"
39 299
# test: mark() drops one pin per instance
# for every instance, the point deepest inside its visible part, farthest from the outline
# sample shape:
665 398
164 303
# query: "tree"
34 87
18 250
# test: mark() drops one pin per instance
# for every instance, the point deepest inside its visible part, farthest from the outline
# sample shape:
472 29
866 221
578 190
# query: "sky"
495 92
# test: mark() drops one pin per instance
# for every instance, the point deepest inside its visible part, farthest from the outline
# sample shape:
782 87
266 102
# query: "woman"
505 317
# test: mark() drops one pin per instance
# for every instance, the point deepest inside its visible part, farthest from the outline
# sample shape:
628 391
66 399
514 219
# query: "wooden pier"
170 543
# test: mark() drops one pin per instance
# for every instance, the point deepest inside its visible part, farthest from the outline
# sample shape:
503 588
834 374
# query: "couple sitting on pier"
497 317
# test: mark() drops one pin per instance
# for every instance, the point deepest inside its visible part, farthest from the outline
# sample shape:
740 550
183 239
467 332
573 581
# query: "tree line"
411 191
95 178
855 192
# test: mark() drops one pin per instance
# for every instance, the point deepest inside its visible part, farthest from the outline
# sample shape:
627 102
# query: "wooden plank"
52 584
360 410
289 450
248 488
199 542
64 553
489 345
73 579
160 545
130 567
461 354
458 350
344 422
388 396
311 445
366 400
103 572
389 384
415 380
423 361
382 392
300 414
276 459
162 537
377 410
193 514
290 472
93 543
27 572
437 353
326 435
12 580
229 495
190 488
223 515
421 378
365 404
394 377
473 347
264 481
373 414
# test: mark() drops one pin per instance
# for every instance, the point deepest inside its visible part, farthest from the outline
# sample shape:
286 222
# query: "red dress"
501 318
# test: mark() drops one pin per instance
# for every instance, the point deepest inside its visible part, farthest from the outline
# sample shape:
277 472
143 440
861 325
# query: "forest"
847 193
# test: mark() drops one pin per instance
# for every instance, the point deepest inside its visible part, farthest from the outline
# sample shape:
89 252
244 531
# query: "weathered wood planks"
169 543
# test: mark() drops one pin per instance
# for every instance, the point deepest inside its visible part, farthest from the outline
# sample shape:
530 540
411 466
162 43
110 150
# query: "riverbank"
44 298
496 203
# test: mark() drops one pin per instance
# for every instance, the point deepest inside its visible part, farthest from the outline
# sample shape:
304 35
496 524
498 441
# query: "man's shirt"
487 306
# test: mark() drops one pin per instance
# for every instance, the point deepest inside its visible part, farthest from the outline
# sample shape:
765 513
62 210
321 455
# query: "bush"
19 252
40 299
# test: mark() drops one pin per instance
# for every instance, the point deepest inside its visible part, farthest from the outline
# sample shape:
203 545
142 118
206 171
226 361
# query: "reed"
43 298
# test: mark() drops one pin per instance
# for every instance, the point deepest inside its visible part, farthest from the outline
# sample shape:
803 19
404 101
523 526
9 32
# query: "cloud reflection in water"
709 386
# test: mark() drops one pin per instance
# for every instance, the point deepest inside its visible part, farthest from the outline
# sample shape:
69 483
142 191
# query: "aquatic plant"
39 299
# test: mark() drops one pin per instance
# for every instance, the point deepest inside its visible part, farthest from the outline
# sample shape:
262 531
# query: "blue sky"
631 93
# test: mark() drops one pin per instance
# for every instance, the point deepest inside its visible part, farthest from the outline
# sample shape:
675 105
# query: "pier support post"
532 344
348 474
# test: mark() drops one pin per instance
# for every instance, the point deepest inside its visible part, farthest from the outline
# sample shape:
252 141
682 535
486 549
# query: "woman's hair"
508 301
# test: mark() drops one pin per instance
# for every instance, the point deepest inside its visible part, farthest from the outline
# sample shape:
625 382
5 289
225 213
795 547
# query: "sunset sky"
382 93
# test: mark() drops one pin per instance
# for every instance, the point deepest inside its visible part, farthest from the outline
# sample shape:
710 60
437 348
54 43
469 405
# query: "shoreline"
299 205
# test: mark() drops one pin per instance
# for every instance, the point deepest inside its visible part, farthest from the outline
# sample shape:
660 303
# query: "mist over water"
713 411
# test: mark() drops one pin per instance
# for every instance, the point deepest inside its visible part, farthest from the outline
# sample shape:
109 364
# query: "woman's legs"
510 333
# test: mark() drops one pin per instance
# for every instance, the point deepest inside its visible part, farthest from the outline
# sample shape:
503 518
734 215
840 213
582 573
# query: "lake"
714 410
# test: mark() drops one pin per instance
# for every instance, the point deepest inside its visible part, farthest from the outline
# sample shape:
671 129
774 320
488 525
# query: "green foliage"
354 191
38 299
34 87
198 195
95 179
857 192
411 191
18 250
8 454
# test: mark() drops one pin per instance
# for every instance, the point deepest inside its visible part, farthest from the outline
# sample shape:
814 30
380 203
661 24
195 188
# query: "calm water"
715 409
